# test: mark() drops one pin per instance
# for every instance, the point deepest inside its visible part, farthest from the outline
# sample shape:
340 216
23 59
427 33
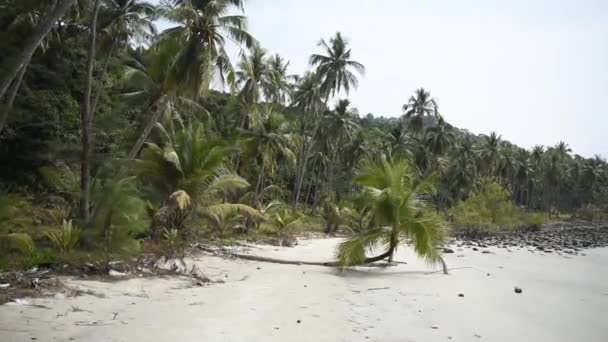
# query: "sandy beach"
564 298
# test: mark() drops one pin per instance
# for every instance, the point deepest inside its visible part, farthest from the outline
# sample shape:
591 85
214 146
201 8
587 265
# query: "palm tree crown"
334 67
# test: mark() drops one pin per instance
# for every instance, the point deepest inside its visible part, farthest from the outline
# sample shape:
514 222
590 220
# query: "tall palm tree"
490 153
253 75
439 137
200 38
399 213
86 118
338 128
195 50
279 87
334 67
268 139
419 105
308 99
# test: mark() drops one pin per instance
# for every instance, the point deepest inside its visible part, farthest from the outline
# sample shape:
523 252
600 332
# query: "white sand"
563 299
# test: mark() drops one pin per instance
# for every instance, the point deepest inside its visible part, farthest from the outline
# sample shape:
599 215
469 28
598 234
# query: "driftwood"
299 262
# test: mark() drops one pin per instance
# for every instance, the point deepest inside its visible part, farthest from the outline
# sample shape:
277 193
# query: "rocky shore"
567 237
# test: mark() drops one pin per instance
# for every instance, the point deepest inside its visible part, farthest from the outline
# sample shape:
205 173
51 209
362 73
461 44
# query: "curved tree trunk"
145 133
55 12
13 94
87 120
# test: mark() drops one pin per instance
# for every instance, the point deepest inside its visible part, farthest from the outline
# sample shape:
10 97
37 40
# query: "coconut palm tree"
252 77
268 139
439 137
54 11
334 67
399 213
419 105
26 19
196 162
203 28
490 153
195 50
308 99
338 128
279 87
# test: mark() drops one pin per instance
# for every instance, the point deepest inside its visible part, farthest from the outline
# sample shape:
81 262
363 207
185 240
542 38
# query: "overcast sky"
535 71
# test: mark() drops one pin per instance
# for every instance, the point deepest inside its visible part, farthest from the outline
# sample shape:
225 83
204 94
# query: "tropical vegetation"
113 134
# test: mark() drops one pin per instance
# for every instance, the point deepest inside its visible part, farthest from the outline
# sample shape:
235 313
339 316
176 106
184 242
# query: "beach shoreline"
273 302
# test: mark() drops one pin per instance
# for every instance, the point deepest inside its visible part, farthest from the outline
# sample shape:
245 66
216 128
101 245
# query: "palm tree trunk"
87 120
304 162
145 132
104 71
13 94
258 187
55 11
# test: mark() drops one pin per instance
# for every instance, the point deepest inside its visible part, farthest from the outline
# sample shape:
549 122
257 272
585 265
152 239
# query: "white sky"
534 71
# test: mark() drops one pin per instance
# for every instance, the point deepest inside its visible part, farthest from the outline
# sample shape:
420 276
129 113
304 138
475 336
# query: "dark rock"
447 250
475 249
518 289
298 321
434 327
486 252
461 295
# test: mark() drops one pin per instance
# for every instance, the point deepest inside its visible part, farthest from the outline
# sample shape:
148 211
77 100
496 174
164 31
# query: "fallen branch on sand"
227 252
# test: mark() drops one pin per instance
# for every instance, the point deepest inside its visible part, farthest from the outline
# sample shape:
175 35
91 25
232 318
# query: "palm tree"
26 19
195 50
399 213
419 105
268 139
308 100
200 42
278 87
86 119
194 161
439 137
338 128
252 76
335 66
55 11
490 154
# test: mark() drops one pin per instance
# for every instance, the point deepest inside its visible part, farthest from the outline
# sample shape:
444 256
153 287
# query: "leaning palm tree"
53 13
335 66
421 104
399 213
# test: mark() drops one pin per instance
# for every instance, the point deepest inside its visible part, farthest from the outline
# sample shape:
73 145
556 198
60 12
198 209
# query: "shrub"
487 210
591 213
66 239
285 225
21 242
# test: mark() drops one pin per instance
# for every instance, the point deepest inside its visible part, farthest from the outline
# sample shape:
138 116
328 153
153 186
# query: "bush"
591 213
487 210
66 239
